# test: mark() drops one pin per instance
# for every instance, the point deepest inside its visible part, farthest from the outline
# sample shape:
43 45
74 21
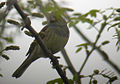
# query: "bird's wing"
32 46
34 43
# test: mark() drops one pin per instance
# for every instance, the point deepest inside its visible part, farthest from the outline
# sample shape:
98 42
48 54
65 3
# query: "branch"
41 44
85 61
99 50
70 65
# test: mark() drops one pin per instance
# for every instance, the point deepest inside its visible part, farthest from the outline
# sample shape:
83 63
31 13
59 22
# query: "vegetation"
95 18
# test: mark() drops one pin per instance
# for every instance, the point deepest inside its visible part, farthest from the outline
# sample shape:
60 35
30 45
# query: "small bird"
55 35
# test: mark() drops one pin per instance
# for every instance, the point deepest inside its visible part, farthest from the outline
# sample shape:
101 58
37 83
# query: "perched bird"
54 35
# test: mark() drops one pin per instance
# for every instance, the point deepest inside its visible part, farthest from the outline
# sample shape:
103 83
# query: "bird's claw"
55 59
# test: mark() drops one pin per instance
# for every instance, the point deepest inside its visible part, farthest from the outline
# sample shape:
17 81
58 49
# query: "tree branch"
70 65
40 42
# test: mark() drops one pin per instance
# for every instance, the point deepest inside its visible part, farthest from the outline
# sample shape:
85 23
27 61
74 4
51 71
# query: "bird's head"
56 18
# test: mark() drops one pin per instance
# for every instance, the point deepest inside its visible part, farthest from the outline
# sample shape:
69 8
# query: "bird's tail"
22 68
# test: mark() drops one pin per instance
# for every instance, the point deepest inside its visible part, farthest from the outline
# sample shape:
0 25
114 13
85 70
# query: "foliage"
5 37
3 55
93 80
109 75
95 18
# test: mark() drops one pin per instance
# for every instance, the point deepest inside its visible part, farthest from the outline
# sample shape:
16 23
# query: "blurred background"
41 70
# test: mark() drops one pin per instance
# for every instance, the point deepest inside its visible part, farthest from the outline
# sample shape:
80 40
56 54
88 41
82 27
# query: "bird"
55 36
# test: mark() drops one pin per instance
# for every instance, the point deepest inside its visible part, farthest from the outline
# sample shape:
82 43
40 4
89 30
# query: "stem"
89 53
85 61
70 65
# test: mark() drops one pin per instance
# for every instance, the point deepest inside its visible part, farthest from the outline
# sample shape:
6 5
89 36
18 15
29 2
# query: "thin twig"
85 61
89 53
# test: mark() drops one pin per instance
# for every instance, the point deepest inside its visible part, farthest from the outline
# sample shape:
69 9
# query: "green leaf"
116 24
117 19
13 22
118 39
117 43
104 55
58 81
5 56
105 42
68 9
94 81
118 48
1 75
93 13
12 47
72 23
8 39
104 17
37 15
88 20
79 49
96 71
30 1
44 22
83 44
77 14
118 10
119 26
84 19
49 8
28 33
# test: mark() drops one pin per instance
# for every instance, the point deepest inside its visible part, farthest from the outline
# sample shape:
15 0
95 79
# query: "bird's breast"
55 42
